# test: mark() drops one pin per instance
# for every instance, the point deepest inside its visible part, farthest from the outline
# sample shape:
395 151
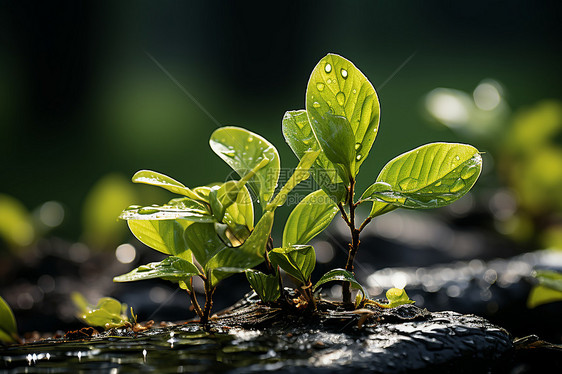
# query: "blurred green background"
82 106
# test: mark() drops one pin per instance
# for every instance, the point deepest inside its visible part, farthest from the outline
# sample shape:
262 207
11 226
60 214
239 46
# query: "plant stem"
209 291
194 301
350 220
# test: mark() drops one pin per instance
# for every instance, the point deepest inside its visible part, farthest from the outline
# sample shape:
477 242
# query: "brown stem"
209 291
194 301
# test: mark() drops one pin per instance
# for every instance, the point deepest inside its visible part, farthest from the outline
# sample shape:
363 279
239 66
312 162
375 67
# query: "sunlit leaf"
300 137
338 89
181 208
8 327
431 176
238 259
297 260
243 151
300 174
107 313
16 225
266 286
343 276
396 297
540 295
172 268
158 179
550 279
203 241
165 236
312 215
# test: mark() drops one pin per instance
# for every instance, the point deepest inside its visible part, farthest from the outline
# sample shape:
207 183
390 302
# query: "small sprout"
396 297
107 313
8 327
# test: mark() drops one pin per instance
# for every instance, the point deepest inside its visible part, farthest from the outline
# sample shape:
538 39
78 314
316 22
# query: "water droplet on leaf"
329 81
344 73
250 139
358 157
320 86
340 97
468 171
357 146
316 104
328 68
457 186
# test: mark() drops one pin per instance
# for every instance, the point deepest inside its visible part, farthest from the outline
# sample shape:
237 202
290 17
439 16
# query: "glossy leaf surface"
165 236
343 276
158 179
183 208
300 137
203 241
8 327
310 217
265 285
431 176
243 151
396 297
172 268
338 89
297 260
232 260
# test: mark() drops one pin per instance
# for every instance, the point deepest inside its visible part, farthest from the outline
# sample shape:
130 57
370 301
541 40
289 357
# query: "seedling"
107 313
209 232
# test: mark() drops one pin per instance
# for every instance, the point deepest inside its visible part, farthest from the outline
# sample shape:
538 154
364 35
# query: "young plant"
107 313
209 232
342 119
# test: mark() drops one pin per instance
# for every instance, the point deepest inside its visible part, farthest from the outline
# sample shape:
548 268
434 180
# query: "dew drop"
316 104
329 81
408 183
357 146
358 157
344 73
340 97
250 139
320 86
328 68
468 171
354 91
457 186
457 158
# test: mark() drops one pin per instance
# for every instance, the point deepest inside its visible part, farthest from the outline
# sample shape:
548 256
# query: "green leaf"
157 179
300 174
300 137
337 89
183 208
164 236
312 215
107 313
243 151
266 286
550 279
238 259
297 260
8 327
396 297
343 276
430 176
173 269
203 240
542 295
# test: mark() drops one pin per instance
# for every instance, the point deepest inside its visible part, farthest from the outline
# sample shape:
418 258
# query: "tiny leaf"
338 88
396 297
243 151
297 260
172 268
430 176
312 215
343 276
266 286
107 313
